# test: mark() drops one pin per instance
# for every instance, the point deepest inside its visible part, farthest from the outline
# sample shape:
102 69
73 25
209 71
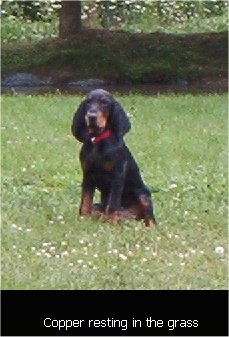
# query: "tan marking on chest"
108 165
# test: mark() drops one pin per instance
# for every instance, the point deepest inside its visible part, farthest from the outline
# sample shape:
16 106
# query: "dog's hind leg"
146 209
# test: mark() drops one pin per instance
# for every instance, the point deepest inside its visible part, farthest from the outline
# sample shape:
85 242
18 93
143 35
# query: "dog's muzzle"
91 119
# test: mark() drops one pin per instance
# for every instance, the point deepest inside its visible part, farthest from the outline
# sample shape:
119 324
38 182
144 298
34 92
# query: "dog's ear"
79 128
119 122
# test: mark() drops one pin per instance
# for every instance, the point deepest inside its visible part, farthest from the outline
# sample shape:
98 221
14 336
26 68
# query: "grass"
180 143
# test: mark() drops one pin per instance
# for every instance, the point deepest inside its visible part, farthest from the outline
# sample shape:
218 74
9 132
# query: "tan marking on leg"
147 215
86 205
150 223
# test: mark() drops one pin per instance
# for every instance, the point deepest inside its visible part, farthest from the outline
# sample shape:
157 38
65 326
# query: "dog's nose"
91 117
92 112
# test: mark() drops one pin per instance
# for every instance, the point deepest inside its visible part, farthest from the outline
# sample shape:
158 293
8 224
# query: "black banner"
117 313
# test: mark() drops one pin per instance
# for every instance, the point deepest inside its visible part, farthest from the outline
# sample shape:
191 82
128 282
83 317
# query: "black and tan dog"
100 124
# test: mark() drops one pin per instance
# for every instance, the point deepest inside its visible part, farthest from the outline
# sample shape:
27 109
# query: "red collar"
104 135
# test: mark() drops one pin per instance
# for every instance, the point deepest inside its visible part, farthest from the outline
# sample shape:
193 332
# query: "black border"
23 312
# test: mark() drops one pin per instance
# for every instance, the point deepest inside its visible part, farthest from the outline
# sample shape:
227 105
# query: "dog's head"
98 112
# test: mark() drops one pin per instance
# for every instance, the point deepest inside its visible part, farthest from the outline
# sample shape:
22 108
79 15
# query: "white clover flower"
219 250
122 257
173 186
65 253
48 255
181 255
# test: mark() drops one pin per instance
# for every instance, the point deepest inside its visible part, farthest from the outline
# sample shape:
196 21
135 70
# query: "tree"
70 18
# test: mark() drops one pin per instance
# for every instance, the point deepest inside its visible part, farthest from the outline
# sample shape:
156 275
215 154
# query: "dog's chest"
94 160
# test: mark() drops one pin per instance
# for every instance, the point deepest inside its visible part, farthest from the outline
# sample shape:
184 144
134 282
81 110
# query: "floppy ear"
119 122
79 128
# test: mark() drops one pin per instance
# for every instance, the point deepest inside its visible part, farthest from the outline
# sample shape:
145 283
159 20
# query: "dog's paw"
150 223
114 218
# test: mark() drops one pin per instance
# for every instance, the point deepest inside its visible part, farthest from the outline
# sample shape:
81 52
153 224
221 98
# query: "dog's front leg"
115 196
88 190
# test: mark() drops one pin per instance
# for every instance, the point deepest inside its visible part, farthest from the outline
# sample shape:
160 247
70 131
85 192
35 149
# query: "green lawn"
180 143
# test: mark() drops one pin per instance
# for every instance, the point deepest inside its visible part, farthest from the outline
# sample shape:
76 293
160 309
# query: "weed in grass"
180 144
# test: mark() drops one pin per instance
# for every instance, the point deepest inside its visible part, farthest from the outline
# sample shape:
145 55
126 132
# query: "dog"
100 123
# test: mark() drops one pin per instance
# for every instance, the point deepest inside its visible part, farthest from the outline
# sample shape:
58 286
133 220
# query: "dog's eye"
88 103
104 101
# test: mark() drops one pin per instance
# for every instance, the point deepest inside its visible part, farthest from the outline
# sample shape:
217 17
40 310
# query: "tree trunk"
70 18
